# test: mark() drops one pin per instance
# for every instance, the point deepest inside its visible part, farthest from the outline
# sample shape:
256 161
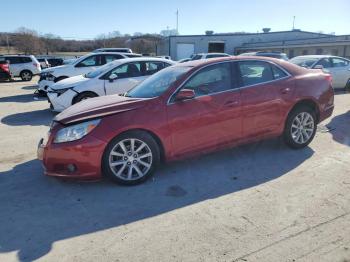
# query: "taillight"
329 78
36 65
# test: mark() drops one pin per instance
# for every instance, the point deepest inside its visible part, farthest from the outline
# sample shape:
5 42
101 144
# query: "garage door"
184 51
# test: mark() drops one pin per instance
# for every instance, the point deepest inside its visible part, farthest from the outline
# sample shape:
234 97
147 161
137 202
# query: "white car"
338 67
116 77
208 55
23 66
80 66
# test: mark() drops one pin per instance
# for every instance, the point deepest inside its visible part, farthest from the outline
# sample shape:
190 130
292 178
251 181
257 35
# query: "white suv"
23 66
208 56
81 66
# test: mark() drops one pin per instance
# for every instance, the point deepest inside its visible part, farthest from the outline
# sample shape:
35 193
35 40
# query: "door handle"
285 90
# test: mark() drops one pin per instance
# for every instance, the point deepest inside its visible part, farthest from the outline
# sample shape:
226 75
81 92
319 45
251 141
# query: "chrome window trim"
238 88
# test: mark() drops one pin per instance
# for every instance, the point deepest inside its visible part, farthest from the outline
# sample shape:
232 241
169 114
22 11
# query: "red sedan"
184 110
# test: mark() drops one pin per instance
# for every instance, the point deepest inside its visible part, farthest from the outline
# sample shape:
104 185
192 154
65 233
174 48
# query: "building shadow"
32 118
37 211
339 127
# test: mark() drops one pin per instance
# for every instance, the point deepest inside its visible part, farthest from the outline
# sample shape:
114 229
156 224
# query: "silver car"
338 67
23 66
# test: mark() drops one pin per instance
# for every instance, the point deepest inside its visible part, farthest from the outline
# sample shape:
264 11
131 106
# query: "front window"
210 80
255 72
325 63
304 62
158 83
97 72
90 61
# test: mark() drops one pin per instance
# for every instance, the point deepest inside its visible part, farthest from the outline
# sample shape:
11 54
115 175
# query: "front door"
210 119
123 78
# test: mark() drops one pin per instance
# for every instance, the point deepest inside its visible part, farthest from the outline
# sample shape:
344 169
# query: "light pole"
177 21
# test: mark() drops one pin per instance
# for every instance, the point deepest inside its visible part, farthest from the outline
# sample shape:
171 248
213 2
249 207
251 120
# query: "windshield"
158 83
99 71
304 62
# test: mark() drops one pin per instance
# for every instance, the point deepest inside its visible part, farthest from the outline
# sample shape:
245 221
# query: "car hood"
53 69
99 107
69 82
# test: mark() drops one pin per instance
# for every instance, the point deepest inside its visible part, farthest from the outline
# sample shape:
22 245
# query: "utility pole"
7 43
293 22
177 21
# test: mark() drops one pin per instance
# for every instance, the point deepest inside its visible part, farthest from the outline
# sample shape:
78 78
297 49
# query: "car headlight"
75 132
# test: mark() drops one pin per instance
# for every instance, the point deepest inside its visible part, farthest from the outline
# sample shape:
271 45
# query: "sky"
85 19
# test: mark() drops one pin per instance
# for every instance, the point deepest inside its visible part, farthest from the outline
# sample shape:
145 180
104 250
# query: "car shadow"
339 127
34 87
32 118
20 98
37 211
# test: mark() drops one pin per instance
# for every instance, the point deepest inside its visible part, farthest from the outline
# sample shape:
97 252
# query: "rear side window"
210 80
338 62
26 59
126 70
277 72
254 72
196 57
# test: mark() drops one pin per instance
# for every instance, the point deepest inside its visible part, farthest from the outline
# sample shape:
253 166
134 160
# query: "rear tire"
83 96
131 158
300 128
26 75
347 86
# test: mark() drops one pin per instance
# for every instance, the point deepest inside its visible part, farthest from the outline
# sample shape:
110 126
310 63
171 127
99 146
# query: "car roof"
141 59
291 68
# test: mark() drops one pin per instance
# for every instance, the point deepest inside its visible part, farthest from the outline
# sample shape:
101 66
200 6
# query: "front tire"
26 75
300 128
131 158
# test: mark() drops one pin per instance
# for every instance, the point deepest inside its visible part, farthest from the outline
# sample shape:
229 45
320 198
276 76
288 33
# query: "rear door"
213 117
263 89
15 64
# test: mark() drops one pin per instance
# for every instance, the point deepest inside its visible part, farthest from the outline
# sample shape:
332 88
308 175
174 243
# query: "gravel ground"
258 202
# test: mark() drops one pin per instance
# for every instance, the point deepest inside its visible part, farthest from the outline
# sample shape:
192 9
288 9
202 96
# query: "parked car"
338 67
184 110
118 50
116 77
43 63
23 66
5 73
55 61
208 55
80 66
277 55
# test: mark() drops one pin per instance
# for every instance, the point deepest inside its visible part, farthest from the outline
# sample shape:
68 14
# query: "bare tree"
27 41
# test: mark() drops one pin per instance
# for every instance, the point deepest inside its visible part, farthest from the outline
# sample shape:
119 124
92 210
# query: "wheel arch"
84 92
309 103
153 135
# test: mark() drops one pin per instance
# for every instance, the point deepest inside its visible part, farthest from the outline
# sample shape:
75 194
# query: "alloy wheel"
302 128
130 159
26 76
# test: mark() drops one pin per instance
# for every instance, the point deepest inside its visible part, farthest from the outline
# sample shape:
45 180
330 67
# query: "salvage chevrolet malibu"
184 110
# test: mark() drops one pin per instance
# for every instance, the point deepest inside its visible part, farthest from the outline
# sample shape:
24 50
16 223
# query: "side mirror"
318 67
112 77
185 94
